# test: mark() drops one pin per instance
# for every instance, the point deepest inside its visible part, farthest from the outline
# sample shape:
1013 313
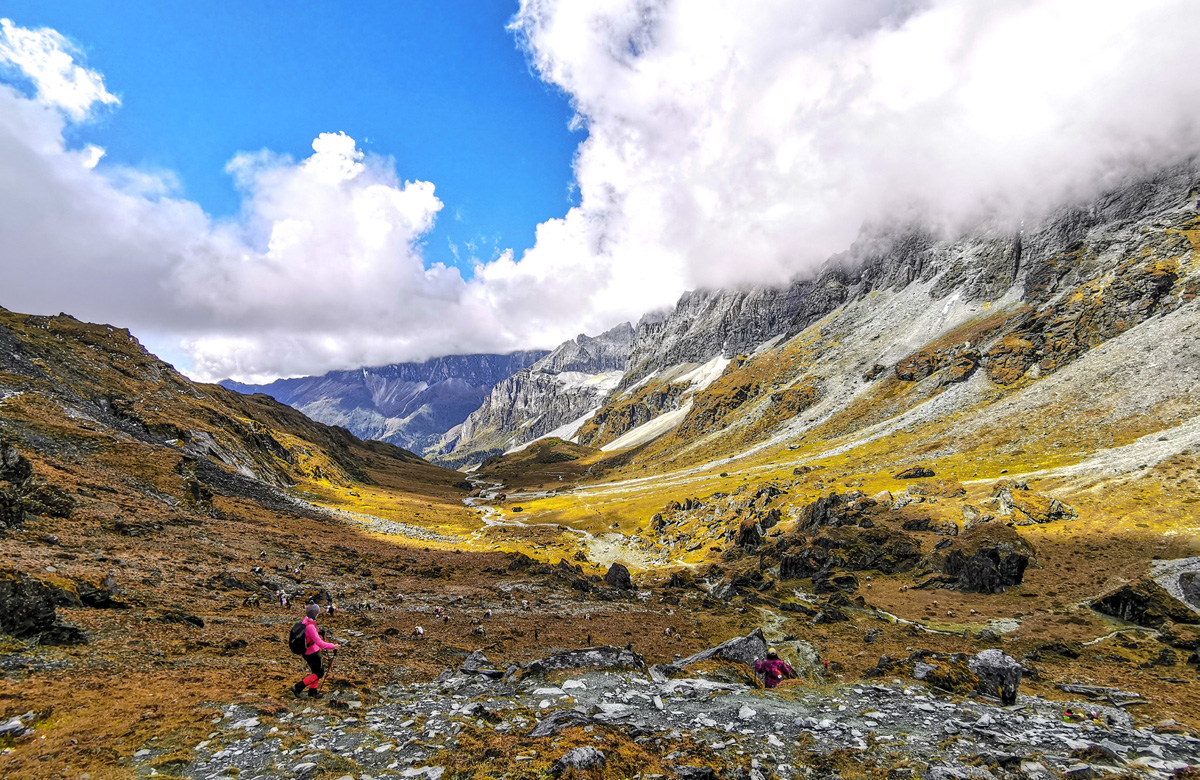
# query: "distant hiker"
283 599
418 633
331 609
489 613
773 669
309 639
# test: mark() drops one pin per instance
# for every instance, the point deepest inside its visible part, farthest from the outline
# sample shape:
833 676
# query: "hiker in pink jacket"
312 654
773 669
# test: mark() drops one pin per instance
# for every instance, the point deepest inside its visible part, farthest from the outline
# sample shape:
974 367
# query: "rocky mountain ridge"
408 404
1066 284
550 397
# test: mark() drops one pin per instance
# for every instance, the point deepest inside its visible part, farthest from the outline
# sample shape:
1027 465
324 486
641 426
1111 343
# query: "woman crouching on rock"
314 644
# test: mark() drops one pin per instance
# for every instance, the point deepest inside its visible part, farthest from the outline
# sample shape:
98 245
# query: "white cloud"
47 59
726 143
745 142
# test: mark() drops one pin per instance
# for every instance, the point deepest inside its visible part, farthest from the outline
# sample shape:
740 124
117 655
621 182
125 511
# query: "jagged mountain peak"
409 404
590 354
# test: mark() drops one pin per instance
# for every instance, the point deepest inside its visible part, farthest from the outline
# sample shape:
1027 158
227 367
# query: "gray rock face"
588 355
999 674
578 758
407 404
743 649
559 388
559 720
981 266
603 657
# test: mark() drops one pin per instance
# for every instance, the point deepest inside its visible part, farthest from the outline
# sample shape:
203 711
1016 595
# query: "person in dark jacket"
314 645
773 669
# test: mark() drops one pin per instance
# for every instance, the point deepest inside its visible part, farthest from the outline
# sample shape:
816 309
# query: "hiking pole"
328 672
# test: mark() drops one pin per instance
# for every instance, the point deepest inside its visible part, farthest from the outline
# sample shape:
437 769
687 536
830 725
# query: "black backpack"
296 642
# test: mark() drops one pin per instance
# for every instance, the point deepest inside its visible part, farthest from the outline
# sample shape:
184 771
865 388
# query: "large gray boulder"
559 720
578 758
999 674
743 649
603 657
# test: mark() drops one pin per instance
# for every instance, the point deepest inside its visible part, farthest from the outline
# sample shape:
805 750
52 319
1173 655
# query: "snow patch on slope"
651 430
603 383
704 375
566 431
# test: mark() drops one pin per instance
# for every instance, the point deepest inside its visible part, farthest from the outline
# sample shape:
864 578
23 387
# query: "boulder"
985 559
1145 603
916 472
999 675
48 501
12 508
603 657
947 672
744 649
179 617
836 510
27 611
1034 509
750 535
578 758
101 594
853 549
832 582
558 721
14 467
1009 359
618 577
478 663
1189 587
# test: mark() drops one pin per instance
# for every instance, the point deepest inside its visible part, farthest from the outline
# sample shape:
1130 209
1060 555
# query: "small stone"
248 723
304 769
141 754
745 713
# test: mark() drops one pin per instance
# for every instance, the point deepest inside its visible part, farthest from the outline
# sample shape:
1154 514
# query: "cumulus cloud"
47 59
727 143
749 141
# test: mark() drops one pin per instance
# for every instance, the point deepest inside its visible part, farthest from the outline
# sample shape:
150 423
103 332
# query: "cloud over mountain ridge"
726 146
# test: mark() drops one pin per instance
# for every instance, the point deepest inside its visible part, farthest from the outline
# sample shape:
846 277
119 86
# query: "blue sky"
439 86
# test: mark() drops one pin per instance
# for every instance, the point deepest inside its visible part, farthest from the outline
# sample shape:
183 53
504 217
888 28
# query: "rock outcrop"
1145 603
27 611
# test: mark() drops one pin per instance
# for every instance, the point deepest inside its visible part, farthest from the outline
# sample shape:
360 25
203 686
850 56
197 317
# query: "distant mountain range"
408 404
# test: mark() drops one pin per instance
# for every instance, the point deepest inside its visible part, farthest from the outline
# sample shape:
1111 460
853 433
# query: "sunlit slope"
1089 387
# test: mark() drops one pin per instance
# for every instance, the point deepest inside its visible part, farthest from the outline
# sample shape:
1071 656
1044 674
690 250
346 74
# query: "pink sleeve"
313 637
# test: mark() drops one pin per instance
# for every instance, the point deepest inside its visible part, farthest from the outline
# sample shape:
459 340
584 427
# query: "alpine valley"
952 477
